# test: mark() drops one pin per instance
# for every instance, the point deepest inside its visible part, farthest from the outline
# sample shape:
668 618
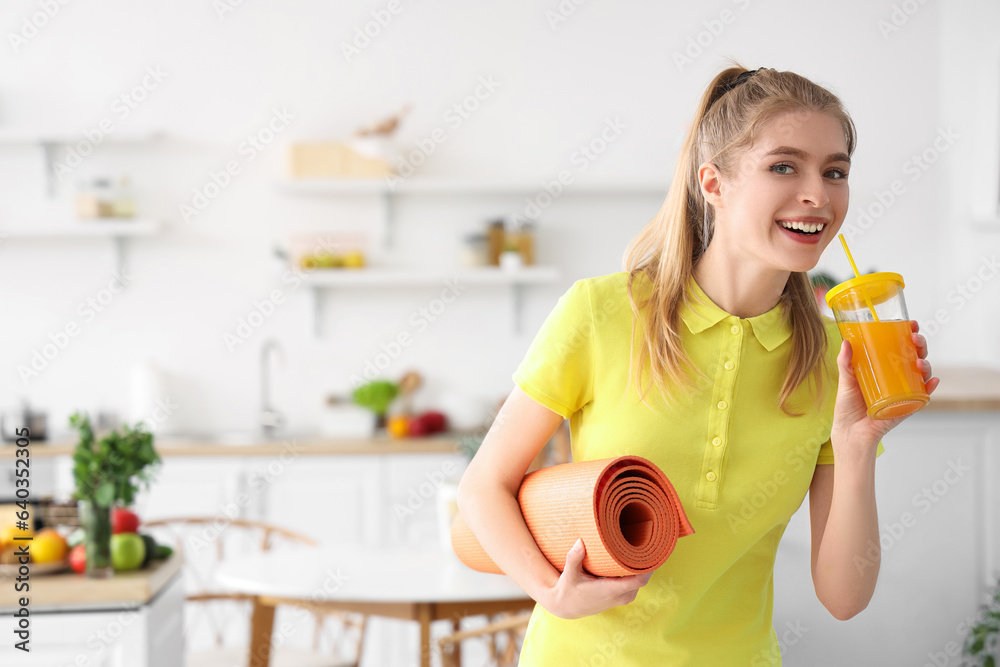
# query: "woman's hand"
578 594
851 422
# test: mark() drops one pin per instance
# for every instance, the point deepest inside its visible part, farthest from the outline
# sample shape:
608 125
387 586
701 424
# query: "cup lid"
872 286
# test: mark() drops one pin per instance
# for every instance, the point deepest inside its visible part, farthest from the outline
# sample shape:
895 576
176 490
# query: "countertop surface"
71 591
168 446
966 389
962 389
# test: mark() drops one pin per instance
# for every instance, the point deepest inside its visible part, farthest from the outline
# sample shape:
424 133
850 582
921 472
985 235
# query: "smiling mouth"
804 228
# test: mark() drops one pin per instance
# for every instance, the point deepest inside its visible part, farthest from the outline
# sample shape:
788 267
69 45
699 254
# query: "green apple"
127 552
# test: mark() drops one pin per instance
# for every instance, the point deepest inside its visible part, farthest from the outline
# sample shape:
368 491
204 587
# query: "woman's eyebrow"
802 155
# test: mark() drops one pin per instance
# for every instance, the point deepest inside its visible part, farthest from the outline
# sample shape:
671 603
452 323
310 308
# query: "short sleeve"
558 369
826 452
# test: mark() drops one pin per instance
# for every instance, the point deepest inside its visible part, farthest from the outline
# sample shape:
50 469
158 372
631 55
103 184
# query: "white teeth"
803 226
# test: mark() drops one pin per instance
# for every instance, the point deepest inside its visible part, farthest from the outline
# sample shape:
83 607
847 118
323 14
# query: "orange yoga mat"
624 508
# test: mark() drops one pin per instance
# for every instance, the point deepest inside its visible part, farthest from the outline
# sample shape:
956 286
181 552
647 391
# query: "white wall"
558 85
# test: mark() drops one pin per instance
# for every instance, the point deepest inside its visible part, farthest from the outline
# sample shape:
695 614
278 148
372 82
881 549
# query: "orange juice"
885 362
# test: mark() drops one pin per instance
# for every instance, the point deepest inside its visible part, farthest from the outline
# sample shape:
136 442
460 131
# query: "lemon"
48 547
10 531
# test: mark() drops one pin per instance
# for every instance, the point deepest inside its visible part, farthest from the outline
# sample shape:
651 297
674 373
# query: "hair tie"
740 79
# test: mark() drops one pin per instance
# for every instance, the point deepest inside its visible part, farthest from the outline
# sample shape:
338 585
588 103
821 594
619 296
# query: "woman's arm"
487 499
846 552
845 541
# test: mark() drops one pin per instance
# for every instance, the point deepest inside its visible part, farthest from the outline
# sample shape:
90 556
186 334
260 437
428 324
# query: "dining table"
422 585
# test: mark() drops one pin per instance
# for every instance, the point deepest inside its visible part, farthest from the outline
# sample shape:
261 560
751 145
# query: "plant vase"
96 522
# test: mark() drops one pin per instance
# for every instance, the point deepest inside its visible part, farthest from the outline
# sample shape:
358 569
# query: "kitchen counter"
962 389
172 446
966 389
72 591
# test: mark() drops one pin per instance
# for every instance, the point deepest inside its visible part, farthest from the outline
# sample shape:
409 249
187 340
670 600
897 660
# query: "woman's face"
794 176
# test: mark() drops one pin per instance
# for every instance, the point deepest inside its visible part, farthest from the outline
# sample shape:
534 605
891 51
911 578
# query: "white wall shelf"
516 279
428 186
388 190
50 140
117 230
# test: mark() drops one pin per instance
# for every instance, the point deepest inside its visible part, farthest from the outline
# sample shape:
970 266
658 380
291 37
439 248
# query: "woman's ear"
711 183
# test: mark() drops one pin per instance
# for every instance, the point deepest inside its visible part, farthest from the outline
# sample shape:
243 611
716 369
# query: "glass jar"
96 523
474 250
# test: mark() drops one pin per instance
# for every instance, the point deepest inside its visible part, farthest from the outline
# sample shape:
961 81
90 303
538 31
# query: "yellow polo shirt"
740 466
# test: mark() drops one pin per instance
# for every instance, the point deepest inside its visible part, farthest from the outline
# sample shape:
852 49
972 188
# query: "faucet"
270 419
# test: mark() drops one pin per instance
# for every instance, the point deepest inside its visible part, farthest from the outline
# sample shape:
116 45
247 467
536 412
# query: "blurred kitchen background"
197 226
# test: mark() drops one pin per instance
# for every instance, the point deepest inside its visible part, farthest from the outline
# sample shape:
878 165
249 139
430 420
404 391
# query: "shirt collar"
701 313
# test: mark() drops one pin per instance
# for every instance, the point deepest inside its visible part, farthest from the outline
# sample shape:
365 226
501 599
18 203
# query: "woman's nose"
814 192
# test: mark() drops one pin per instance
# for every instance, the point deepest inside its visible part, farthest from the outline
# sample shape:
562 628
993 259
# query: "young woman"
753 401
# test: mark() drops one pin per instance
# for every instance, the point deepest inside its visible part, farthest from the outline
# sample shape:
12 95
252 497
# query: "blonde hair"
729 117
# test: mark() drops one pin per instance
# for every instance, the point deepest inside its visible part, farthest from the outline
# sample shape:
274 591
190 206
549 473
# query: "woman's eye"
782 168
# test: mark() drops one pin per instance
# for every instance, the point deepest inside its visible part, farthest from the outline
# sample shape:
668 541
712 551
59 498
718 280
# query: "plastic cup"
871 314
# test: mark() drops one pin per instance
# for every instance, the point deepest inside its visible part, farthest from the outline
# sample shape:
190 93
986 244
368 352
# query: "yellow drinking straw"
854 266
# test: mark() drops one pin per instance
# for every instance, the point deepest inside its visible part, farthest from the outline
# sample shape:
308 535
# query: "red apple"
435 421
78 558
124 521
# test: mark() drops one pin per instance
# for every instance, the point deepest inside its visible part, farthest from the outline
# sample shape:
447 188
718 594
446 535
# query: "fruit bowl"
36 569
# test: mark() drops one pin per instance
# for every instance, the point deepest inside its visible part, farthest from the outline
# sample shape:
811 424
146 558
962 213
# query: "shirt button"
710 476
723 405
735 329
730 365
716 441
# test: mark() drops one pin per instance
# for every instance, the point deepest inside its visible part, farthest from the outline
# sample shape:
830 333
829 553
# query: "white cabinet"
194 486
937 512
336 500
106 635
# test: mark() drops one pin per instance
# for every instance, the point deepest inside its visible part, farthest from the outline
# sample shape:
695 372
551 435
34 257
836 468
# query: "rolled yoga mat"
625 509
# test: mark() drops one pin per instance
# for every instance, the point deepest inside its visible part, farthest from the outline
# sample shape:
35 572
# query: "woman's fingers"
574 560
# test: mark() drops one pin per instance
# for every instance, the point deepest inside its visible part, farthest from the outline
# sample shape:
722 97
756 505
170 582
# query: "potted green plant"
376 396
107 470
982 644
